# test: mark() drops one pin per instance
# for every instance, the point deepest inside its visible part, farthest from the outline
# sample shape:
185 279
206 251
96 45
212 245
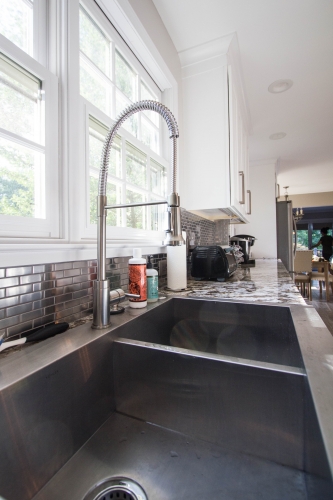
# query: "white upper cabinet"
214 138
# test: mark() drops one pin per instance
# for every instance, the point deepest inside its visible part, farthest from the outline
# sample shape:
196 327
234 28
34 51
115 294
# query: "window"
16 23
50 147
29 205
111 80
22 143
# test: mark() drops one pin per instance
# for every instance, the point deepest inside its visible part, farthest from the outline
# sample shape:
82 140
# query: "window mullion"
113 78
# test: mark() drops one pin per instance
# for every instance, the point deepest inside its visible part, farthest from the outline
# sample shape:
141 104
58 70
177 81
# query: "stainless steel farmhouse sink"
192 399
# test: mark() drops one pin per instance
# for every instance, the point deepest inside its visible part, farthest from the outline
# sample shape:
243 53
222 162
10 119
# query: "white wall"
311 199
263 218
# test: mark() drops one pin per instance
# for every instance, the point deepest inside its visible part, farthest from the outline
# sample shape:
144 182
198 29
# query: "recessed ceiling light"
280 86
278 135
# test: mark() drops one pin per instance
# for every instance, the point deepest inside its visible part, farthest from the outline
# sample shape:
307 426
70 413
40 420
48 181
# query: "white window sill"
21 254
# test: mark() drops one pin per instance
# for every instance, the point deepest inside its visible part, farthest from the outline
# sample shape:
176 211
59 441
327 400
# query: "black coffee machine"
245 241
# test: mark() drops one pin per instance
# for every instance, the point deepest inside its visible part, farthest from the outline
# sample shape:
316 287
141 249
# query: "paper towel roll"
176 267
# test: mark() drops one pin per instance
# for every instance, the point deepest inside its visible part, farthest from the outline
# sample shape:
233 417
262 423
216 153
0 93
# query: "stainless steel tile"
32 278
30 297
64 281
5 323
12 311
81 279
54 308
18 290
38 269
81 293
2 293
72 288
32 315
72 303
37 286
10 301
39 304
18 271
44 320
46 285
2 313
6 282
20 328
63 298
63 265
53 275
2 273
54 292
81 263
63 314
71 272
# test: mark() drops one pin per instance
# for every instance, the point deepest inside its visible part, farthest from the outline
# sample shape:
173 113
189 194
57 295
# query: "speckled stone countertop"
268 281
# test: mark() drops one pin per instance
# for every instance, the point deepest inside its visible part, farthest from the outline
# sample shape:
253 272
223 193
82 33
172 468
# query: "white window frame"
59 53
118 235
29 227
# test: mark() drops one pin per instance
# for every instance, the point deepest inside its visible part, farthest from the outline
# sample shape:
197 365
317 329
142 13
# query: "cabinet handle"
278 190
242 200
249 206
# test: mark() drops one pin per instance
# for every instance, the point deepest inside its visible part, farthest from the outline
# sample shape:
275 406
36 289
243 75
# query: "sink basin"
248 331
191 399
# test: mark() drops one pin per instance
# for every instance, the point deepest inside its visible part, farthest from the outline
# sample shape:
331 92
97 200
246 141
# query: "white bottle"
152 282
137 279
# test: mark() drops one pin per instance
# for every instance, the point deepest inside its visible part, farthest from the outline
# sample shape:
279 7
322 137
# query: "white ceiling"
278 39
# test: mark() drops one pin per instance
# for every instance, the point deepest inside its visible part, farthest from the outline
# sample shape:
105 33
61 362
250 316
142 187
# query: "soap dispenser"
137 279
152 282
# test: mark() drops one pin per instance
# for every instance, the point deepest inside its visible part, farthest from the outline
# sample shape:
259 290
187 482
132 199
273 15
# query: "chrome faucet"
101 286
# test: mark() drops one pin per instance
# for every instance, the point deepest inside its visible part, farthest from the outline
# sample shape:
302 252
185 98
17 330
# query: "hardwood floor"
324 308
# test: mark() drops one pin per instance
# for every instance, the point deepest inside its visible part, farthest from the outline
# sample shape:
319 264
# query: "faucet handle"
118 295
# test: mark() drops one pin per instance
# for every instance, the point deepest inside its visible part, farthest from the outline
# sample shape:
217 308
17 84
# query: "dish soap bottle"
152 282
137 279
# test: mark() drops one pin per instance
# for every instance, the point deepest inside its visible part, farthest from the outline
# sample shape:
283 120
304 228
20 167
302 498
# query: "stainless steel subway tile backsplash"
33 296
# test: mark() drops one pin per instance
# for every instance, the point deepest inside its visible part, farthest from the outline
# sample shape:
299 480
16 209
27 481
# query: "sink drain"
118 488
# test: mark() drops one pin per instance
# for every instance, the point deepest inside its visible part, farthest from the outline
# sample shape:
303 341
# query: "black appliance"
245 241
213 263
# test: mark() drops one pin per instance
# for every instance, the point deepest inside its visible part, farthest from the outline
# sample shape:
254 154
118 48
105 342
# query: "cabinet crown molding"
208 50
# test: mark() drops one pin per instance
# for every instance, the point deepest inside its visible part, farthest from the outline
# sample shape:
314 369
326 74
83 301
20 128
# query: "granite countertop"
268 281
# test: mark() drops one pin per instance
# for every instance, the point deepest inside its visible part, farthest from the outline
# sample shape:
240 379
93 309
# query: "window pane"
135 216
22 181
147 95
158 178
149 135
113 193
94 43
158 216
16 23
302 238
94 88
125 78
20 107
97 134
131 124
136 166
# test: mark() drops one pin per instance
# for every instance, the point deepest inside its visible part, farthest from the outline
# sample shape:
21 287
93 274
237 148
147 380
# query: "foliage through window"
110 81
16 23
22 151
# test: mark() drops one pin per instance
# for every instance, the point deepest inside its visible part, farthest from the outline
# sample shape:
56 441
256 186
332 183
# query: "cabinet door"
204 140
238 150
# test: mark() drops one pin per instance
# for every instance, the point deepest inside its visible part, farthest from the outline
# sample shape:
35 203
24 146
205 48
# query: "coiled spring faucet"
101 286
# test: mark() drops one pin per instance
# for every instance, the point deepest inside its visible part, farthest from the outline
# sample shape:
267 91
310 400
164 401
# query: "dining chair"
303 271
320 273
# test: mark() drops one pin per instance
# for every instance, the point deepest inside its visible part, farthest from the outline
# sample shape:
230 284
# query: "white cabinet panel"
215 140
